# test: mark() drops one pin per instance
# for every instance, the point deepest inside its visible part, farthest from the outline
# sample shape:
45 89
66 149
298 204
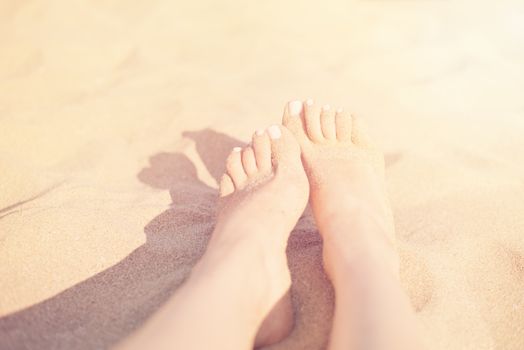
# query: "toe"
235 169
327 121
312 118
293 119
284 148
248 161
343 125
360 135
262 151
226 185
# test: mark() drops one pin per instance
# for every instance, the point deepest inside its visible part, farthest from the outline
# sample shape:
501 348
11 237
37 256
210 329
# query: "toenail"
295 107
340 110
259 132
326 107
237 149
274 132
309 102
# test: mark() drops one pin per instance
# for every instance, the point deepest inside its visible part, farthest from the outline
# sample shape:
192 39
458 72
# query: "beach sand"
116 117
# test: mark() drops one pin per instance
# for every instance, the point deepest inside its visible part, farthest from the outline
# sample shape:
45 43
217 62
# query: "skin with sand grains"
242 281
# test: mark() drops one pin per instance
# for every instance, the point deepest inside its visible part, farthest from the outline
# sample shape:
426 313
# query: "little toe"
360 135
343 125
312 118
226 186
262 151
249 162
327 121
284 148
235 169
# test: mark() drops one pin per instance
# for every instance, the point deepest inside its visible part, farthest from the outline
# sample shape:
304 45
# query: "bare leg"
348 198
243 275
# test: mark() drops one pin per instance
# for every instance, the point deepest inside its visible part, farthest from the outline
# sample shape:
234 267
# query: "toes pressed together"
311 123
303 121
259 159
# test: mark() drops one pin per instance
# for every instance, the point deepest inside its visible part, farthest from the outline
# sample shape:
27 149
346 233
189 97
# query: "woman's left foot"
263 195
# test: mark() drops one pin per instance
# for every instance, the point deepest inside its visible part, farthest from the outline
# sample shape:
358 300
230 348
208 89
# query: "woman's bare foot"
346 174
350 205
242 278
263 195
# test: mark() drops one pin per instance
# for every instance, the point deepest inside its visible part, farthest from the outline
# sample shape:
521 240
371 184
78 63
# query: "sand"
116 117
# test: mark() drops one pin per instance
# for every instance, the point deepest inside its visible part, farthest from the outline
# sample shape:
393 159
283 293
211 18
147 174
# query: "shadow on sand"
105 308
100 311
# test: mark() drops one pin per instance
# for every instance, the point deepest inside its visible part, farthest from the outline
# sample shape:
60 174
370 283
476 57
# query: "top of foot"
327 134
269 166
344 168
263 194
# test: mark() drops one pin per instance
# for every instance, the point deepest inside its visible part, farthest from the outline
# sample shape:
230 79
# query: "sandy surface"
116 117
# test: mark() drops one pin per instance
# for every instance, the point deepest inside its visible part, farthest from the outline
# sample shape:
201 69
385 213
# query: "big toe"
284 148
294 120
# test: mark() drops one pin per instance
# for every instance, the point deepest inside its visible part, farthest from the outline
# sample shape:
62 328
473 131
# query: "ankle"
362 241
362 260
350 200
353 219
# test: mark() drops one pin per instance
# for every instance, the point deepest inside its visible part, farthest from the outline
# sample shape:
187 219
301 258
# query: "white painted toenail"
274 132
309 102
237 149
259 132
295 107
326 107
340 110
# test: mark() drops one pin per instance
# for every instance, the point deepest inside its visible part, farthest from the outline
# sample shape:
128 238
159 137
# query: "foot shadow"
213 148
100 311
311 292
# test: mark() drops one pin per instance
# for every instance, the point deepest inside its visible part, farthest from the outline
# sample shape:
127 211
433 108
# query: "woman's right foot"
347 187
350 205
